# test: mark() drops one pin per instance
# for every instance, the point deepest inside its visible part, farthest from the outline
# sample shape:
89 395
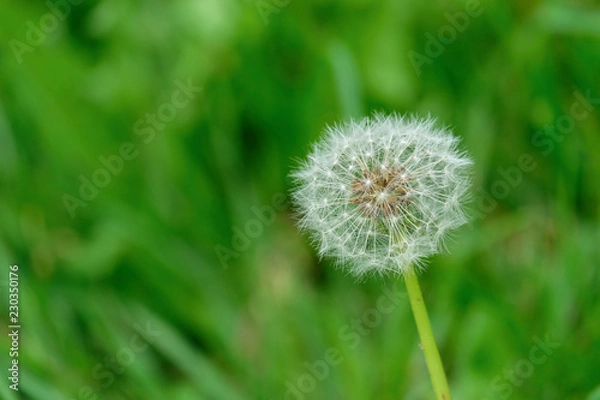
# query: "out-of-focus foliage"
231 316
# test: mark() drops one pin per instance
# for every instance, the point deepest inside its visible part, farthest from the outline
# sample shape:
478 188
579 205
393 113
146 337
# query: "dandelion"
380 195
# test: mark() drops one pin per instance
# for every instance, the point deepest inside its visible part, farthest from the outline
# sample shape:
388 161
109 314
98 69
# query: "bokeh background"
149 291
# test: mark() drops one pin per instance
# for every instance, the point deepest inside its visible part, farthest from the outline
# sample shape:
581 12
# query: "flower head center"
381 192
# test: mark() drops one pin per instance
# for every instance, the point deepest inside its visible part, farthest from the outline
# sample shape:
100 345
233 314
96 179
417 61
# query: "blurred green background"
143 287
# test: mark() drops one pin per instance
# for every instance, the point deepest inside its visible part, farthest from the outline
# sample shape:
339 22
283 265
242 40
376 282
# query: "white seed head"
381 194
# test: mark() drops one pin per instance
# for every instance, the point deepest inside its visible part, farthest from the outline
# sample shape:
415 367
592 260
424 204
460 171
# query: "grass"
143 250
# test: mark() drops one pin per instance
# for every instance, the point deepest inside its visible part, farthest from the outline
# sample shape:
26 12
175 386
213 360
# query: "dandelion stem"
432 355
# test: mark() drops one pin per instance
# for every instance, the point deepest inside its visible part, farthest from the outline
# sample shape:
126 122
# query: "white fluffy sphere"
380 194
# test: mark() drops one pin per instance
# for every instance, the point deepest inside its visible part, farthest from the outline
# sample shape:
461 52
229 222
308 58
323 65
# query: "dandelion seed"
396 207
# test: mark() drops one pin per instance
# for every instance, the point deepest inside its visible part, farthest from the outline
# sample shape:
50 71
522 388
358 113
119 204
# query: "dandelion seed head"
381 194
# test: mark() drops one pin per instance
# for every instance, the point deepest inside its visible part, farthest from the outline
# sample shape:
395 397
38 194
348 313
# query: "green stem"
432 355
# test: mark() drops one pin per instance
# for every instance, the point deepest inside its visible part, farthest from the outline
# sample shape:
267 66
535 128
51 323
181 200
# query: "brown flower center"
381 192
